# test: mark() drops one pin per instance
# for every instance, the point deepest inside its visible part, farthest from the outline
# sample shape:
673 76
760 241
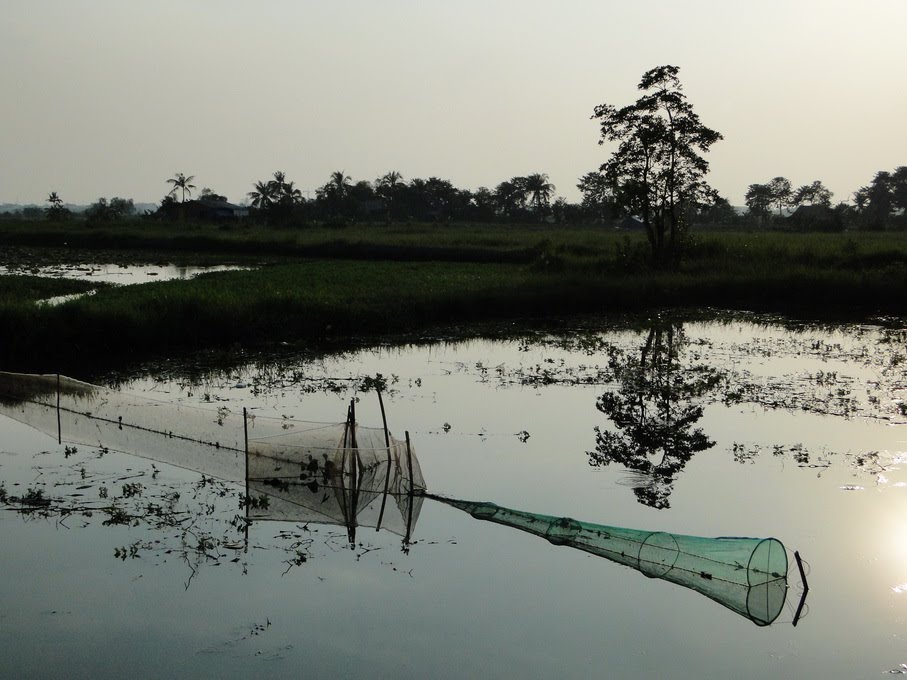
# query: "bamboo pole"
387 476
245 427
354 472
409 514
59 423
387 438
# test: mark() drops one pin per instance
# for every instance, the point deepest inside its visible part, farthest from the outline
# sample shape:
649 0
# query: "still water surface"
705 429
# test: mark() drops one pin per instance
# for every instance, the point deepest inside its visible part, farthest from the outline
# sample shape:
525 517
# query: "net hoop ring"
658 554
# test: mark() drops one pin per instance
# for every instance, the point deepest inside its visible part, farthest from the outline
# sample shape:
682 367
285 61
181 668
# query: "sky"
111 98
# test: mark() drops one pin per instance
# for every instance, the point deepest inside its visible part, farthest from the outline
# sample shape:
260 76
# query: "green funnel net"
746 575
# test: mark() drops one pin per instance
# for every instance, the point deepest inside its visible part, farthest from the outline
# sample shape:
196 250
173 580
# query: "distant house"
206 210
631 223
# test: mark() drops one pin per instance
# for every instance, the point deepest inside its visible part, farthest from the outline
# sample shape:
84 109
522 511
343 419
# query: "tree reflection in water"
653 412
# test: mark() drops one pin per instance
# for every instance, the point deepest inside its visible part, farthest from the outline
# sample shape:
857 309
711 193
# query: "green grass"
402 279
26 289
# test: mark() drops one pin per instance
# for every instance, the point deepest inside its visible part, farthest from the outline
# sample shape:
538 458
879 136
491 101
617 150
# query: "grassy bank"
571 246
25 290
318 301
370 280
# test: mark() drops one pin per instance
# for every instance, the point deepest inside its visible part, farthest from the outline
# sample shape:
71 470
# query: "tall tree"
181 183
539 191
335 195
54 199
599 200
813 194
782 193
759 200
55 209
876 201
388 184
340 183
390 188
262 195
510 196
659 160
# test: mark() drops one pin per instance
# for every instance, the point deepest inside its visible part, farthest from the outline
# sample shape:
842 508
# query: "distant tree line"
391 198
880 205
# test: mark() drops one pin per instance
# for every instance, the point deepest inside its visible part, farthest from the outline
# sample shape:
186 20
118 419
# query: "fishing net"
746 575
294 470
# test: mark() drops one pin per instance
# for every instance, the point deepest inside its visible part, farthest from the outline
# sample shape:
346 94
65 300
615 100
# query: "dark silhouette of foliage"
55 209
277 200
878 201
181 183
210 195
815 193
539 191
658 165
654 411
115 210
782 193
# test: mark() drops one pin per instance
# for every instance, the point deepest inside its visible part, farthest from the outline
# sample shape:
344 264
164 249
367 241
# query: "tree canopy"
659 166
181 182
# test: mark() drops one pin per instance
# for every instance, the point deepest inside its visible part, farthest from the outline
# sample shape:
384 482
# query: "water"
796 433
116 273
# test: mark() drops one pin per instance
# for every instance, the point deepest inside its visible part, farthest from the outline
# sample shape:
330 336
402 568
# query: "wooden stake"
387 437
245 427
409 517
59 424
387 476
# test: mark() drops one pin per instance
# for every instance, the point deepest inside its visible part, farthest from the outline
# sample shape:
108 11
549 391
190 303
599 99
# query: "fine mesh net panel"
746 575
338 473
323 480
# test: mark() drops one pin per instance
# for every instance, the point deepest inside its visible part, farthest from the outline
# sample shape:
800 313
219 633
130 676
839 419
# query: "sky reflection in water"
512 423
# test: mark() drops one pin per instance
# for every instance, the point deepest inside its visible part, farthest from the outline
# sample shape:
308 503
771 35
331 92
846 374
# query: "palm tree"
289 194
539 189
55 210
263 195
181 183
388 184
339 184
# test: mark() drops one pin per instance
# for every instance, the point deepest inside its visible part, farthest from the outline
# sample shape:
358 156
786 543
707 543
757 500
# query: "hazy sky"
112 97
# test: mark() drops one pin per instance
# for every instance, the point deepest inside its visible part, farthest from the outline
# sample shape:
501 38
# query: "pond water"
119 565
116 273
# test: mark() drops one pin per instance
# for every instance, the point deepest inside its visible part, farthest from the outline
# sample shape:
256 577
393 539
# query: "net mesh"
338 473
747 575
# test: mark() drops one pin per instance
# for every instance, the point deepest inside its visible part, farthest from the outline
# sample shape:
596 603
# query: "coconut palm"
55 210
181 183
288 194
263 195
539 190
388 184
339 184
